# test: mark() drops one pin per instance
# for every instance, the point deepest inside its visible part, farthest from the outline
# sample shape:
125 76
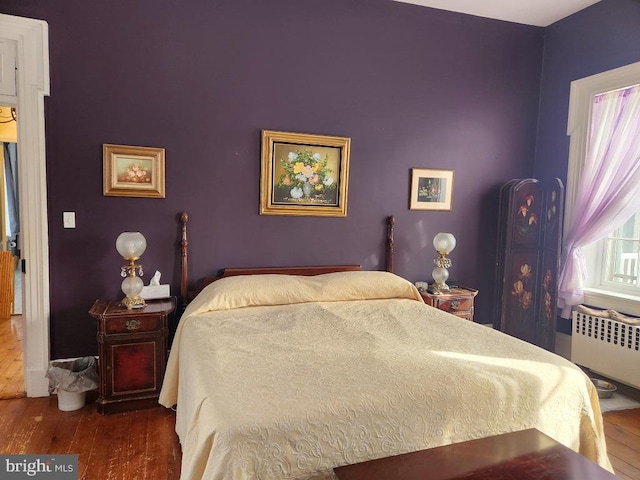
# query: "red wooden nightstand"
132 346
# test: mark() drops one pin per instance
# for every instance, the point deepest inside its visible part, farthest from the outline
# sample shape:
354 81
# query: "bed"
280 376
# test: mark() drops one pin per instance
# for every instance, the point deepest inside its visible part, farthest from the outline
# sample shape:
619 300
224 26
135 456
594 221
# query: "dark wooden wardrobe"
528 258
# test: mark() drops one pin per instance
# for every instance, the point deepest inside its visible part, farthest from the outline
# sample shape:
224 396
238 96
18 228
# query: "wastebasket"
71 380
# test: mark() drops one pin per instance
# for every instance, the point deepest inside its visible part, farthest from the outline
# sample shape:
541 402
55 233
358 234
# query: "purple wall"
600 38
411 86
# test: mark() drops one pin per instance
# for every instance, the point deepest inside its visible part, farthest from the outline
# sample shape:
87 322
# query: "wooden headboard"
186 295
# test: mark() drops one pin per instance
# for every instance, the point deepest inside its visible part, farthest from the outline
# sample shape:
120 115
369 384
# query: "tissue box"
152 292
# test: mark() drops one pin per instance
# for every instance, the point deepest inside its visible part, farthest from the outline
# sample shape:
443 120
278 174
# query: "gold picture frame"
431 189
304 174
130 171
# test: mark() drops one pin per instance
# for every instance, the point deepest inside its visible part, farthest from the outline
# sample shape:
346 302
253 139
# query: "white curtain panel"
608 192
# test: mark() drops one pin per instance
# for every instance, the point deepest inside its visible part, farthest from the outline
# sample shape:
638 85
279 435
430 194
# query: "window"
614 268
621 262
613 262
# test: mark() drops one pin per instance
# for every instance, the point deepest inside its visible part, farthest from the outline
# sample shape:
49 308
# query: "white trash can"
71 379
69 401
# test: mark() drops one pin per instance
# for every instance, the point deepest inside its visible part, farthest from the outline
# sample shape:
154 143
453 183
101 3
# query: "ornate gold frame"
328 198
144 165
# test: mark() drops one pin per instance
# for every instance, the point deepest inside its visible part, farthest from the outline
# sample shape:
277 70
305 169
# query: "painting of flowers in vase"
304 174
131 171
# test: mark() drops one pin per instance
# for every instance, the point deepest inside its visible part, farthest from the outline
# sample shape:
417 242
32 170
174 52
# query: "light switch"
69 219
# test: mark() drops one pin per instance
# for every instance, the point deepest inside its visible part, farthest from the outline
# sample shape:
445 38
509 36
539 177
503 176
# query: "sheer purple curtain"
609 191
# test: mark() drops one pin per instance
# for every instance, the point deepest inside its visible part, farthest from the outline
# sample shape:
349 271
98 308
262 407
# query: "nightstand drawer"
455 304
132 324
458 301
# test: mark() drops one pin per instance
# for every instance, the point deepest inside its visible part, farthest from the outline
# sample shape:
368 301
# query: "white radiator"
606 346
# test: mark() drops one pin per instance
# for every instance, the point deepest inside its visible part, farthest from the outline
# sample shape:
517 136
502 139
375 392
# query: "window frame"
596 258
596 292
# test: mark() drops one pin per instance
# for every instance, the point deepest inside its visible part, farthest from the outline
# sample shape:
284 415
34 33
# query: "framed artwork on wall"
130 171
431 189
304 174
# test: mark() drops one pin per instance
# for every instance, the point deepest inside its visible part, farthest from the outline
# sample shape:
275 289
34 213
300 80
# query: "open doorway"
25 50
9 198
11 319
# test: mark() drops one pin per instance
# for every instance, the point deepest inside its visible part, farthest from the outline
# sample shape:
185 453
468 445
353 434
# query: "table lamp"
444 243
131 245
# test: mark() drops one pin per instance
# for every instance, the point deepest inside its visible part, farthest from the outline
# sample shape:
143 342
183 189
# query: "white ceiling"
530 12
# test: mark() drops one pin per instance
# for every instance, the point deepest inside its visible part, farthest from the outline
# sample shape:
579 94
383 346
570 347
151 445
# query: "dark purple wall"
600 38
411 86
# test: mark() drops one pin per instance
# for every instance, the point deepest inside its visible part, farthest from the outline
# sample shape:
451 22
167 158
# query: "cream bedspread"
271 390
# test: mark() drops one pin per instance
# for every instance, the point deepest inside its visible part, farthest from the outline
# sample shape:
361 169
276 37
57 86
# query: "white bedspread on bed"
291 391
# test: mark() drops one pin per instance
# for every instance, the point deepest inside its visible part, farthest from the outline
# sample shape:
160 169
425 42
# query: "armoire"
528 259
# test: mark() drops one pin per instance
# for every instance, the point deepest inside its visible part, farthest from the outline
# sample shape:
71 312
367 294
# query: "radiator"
607 347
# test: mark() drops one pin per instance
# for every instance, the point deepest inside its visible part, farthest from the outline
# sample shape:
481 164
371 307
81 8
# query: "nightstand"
458 301
132 345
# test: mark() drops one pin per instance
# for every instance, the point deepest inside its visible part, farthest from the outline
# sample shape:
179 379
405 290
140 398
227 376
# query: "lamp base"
133 302
439 288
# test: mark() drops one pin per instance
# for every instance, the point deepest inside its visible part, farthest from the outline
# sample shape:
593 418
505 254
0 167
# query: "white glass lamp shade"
440 275
132 286
131 245
444 243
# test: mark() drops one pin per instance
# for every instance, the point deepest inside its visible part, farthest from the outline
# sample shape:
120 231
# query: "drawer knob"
455 304
133 324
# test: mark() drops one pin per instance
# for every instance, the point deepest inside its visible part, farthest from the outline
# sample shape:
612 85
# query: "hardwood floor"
11 358
143 445
622 430
135 445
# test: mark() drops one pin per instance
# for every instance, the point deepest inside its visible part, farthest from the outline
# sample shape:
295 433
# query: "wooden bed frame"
187 295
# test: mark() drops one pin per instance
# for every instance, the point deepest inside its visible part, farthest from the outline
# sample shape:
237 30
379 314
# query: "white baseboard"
36 383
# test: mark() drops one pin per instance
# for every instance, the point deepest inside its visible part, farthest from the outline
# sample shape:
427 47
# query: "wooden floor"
622 430
136 445
143 445
11 358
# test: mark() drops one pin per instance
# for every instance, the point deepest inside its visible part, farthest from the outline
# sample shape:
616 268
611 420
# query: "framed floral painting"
431 189
304 174
133 171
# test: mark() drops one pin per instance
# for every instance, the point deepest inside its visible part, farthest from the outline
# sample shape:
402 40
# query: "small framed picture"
304 174
133 171
431 189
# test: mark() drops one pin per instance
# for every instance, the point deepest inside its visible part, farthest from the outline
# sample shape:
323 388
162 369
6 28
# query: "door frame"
31 38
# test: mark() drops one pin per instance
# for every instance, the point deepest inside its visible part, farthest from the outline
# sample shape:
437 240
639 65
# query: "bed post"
184 282
390 221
